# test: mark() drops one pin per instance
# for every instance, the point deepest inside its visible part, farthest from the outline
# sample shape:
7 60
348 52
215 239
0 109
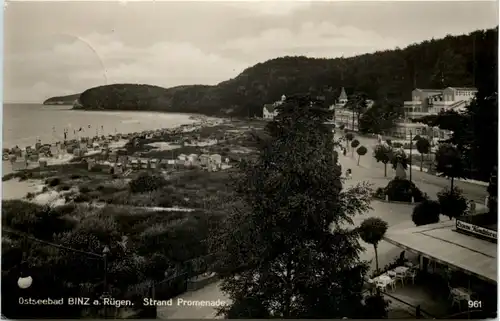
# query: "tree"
348 137
493 192
354 144
399 157
357 103
276 248
361 152
380 118
452 202
426 212
376 307
474 132
383 153
449 162
423 147
372 230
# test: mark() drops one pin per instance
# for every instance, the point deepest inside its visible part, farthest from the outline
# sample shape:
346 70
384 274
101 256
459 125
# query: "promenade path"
396 215
426 182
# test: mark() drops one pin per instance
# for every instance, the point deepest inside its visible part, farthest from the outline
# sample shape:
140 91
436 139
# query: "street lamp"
25 281
411 149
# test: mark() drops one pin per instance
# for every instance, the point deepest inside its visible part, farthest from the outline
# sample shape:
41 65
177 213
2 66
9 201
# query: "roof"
464 88
343 95
442 243
269 107
430 90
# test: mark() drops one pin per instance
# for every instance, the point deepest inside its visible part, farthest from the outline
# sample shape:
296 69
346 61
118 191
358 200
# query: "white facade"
344 116
427 102
269 110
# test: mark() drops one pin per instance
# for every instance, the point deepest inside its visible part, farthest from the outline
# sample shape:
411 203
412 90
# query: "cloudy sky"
58 48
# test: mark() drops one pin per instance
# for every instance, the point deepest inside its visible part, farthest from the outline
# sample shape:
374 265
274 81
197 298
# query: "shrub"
452 202
81 198
53 182
379 193
399 157
84 189
94 194
75 176
402 190
147 183
63 187
30 196
376 306
426 212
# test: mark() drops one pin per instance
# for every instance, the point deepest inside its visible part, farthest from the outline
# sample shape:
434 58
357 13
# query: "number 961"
474 304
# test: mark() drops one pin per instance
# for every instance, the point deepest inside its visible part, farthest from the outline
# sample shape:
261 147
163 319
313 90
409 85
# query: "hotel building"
427 102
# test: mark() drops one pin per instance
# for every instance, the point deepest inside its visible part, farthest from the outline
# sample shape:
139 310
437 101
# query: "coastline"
16 189
48 123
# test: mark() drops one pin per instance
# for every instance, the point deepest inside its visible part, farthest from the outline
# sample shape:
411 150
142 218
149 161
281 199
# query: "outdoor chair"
456 300
396 277
400 277
450 289
412 274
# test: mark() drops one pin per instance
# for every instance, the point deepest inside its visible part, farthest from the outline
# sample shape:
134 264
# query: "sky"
62 48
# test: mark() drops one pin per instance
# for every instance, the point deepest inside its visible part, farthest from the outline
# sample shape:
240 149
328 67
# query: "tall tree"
361 151
358 104
380 118
449 162
450 70
383 153
372 230
291 248
423 147
354 144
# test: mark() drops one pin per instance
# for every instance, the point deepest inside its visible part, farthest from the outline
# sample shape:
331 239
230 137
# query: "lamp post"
25 281
411 149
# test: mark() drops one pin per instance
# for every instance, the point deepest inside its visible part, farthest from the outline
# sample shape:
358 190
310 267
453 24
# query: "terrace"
452 270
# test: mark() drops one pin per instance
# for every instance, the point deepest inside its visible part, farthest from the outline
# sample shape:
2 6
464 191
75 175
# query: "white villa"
269 111
430 102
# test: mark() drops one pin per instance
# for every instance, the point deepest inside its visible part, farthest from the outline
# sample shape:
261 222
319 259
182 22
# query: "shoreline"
114 121
16 189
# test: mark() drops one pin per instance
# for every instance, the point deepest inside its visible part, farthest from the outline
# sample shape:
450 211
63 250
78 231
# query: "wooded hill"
461 61
62 100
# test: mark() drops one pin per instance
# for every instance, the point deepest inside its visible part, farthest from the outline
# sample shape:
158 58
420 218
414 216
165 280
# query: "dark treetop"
290 251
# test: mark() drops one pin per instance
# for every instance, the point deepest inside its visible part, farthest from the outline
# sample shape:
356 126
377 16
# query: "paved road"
178 310
426 182
396 215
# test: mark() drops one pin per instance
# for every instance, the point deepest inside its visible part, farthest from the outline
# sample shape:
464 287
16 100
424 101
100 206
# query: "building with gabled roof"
345 116
269 110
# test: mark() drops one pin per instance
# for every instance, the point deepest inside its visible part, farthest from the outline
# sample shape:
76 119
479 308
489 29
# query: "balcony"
417 114
413 103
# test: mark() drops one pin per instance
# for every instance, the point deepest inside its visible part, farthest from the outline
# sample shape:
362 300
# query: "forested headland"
390 75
